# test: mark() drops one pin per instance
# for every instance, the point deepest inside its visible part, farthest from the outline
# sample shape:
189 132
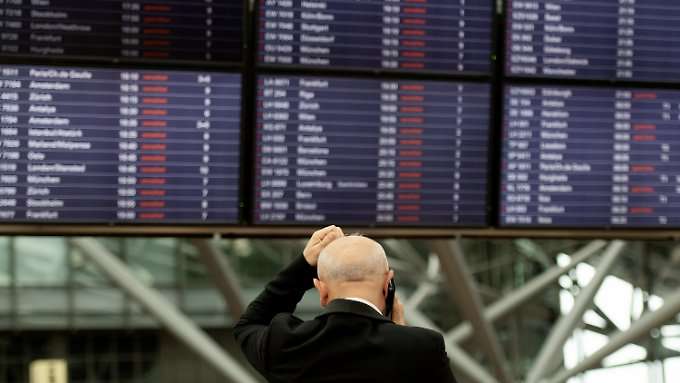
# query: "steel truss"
446 267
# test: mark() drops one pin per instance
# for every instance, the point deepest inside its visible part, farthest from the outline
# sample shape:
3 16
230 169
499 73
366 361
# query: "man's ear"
390 275
323 292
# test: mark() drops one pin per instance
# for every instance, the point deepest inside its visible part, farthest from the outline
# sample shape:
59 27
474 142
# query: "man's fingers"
398 312
319 234
318 241
334 234
340 232
330 237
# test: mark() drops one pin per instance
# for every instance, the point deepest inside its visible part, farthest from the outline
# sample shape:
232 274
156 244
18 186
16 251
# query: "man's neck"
366 302
377 301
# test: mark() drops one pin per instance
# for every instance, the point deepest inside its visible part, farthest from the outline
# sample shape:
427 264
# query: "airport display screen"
371 151
103 145
590 157
175 30
450 36
609 40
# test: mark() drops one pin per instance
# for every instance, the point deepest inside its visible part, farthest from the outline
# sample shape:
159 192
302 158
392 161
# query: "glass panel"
5 301
5 273
40 261
203 301
152 260
193 272
41 301
86 273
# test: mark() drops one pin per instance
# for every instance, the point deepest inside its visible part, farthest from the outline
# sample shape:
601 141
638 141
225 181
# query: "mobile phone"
389 300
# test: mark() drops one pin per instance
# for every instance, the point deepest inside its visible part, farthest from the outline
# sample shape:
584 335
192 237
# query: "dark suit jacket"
349 343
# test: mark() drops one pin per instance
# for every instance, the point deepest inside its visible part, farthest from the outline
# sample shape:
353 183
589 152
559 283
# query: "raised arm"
281 295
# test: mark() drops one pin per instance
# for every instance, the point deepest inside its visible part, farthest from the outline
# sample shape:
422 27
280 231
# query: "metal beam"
524 294
565 325
637 330
222 274
533 251
458 358
176 322
465 292
610 323
425 287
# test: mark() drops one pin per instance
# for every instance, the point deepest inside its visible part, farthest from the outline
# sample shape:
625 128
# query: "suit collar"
353 307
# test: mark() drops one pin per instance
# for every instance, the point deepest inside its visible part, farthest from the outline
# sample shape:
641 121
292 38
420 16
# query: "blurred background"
58 303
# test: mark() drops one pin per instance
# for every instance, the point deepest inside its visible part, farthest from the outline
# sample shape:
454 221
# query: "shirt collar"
364 301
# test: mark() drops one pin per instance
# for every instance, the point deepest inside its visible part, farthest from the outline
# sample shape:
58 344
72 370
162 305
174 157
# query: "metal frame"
174 320
449 263
465 292
457 269
637 330
517 298
222 274
303 231
566 325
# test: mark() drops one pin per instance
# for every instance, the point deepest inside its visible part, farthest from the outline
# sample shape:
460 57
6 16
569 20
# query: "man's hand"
320 239
398 312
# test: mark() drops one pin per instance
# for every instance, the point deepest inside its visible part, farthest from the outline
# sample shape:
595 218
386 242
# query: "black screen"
179 30
96 145
367 151
411 35
628 39
590 157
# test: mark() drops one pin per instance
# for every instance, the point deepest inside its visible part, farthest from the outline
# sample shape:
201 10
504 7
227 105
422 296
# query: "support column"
637 330
520 296
222 274
565 325
176 322
466 294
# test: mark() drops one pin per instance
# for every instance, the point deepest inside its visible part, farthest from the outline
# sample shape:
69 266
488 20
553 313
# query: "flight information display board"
602 39
371 152
411 35
117 146
175 30
590 157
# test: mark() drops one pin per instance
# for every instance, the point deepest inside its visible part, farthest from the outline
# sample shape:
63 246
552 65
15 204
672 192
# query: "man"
352 341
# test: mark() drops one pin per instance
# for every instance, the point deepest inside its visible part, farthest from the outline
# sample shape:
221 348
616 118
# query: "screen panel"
371 152
102 146
175 30
605 39
451 36
590 157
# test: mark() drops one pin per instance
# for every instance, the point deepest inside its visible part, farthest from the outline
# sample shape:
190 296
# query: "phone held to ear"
389 300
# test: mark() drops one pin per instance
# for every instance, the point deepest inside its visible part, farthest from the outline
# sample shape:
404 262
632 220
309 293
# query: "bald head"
352 259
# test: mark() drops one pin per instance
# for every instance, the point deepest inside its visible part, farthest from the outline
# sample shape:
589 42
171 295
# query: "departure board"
411 35
371 152
601 39
175 30
591 157
116 146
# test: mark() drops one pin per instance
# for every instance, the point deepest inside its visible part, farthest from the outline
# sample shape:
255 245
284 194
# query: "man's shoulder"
287 323
415 332
417 338
288 329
